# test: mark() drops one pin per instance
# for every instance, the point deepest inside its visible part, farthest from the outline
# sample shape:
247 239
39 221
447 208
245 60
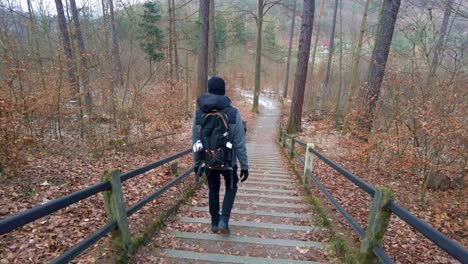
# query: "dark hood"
209 102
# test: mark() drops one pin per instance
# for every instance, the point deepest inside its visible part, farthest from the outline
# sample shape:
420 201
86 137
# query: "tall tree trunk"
174 41
258 55
108 68
203 52
340 88
314 52
169 28
355 68
34 42
317 34
440 42
294 122
212 37
83 61
105 20
387 18
291 36
117 64
66 45
330 53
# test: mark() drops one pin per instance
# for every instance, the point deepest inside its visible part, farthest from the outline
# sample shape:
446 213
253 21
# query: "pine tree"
151 37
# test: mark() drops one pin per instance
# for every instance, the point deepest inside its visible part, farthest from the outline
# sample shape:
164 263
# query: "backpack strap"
198 117
221 116
231 113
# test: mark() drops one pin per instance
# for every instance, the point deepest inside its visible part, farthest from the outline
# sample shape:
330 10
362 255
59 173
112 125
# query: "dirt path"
270 223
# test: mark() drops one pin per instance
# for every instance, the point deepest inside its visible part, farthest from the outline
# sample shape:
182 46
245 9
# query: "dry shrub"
420 129
14 142
164 107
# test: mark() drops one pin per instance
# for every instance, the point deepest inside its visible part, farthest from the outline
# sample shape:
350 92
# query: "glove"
198 173
244 175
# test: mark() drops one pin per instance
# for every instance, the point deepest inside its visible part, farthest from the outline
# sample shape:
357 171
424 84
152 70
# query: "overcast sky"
49 5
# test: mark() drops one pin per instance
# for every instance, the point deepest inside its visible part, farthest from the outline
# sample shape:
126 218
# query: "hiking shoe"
223 226
214 228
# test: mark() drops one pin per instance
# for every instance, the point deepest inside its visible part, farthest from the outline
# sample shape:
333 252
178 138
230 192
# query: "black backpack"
214 135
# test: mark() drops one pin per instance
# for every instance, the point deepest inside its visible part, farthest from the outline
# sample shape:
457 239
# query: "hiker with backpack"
218 139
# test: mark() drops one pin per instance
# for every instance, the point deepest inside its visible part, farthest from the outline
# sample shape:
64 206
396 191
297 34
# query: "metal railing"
112 187
450 246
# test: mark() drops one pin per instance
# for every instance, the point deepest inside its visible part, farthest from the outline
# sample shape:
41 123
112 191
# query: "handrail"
23 218
353 178
128 175
137 206
351 221
450 246
77 249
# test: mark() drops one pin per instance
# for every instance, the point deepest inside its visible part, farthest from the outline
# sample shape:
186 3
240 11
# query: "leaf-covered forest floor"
444 210
61 169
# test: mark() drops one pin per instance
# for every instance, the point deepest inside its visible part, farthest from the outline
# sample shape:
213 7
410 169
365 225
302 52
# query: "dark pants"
214 183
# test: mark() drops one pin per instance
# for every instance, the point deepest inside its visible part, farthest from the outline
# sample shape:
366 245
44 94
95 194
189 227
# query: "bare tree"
263 6
174 42
340 76
332 47
294 122
84 79
117 76
34 41
387 18
317 34
169 29
354 68
66 45
203 52
291 36
440 42
212 54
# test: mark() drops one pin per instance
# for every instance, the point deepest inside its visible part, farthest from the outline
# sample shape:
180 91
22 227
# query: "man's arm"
238 142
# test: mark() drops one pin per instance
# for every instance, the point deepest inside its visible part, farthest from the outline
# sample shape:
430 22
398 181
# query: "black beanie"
216 86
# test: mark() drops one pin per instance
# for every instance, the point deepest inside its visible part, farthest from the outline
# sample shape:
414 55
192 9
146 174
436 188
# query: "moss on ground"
343 249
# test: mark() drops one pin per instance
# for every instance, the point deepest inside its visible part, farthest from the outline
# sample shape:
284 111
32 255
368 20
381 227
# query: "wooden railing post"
309 157
291 150
379 217
283 138
115 209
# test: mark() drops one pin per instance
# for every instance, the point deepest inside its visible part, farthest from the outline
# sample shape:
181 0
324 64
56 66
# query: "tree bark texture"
34 42
174 42
440 42
294 123
67 45
169 29
258 55
314 51
386 26
340 75
212 37
355 67
84 79
291 36
117 75
332 48
203 52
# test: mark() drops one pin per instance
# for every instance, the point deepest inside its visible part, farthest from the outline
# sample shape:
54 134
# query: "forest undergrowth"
54 170
445 210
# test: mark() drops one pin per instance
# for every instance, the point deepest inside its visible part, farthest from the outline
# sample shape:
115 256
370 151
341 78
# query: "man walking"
218 139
